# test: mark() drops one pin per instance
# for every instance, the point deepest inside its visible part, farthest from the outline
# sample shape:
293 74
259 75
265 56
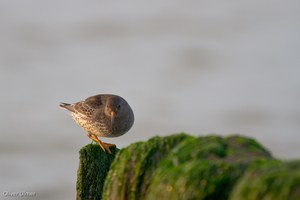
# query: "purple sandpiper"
103 115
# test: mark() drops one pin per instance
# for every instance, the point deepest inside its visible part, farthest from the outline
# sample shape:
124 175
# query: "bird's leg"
92 137
104 146
109 145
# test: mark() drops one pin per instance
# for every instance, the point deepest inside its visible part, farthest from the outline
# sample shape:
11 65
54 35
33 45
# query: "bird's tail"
67 106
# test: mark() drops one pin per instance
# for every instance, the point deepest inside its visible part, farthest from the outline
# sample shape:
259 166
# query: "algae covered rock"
93 168
133 167
181 167
204 168
272 179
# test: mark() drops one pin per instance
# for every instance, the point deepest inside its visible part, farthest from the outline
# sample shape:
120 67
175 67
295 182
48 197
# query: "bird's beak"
112 118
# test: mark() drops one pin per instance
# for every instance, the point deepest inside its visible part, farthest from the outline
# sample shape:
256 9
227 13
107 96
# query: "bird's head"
114 108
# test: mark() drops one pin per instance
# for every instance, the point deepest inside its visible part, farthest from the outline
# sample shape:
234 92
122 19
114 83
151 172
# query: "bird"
102 115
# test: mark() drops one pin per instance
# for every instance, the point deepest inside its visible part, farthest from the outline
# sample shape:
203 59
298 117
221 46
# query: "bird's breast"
97 127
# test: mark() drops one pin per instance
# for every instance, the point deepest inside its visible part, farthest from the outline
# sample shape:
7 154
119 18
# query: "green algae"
203 168
194 180
133 167
181 166
240 148
93 168
269 179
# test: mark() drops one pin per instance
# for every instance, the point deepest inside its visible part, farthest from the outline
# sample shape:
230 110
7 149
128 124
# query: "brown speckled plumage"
103 115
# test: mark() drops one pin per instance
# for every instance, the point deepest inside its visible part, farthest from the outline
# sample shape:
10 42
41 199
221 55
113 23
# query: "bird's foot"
104 146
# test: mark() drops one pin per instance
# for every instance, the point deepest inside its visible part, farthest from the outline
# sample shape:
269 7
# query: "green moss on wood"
93 167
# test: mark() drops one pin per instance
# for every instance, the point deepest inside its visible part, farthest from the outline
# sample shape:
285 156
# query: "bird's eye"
119 106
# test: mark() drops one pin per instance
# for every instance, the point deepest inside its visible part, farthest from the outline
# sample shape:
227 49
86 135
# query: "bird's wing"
95 101
89 106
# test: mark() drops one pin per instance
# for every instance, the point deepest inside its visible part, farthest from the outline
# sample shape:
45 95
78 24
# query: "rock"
269 179
204 168
181 166
133 167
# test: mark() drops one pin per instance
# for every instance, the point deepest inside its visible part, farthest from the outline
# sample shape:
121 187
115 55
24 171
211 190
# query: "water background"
195 66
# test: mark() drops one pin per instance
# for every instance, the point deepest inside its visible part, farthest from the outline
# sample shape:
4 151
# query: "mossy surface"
269 179
133 167
204 168
181 166
93 168
243 149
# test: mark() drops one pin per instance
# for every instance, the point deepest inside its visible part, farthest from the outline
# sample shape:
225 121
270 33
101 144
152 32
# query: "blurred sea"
195 66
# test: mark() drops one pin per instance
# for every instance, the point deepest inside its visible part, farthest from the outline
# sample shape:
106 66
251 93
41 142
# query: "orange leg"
104 146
